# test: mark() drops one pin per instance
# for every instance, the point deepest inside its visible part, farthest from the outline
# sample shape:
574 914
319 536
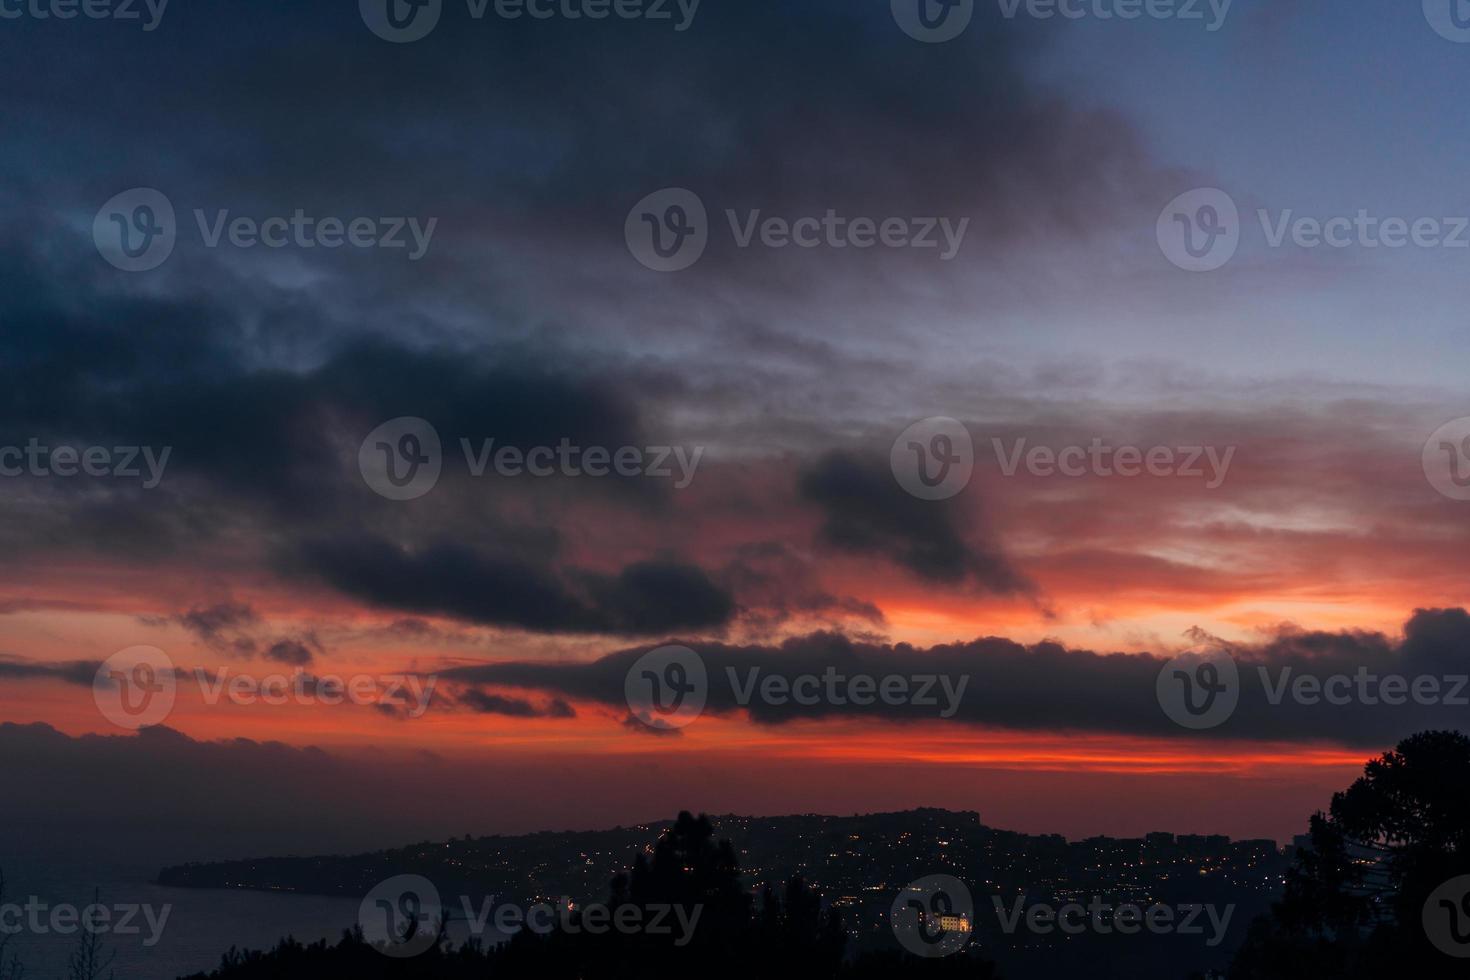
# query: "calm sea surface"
201 923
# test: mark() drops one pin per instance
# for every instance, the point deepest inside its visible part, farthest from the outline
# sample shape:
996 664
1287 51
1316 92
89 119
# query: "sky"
504 176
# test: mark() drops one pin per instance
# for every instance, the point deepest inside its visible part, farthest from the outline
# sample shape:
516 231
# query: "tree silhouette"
1354 903
91 958
795 929
10 965
790 934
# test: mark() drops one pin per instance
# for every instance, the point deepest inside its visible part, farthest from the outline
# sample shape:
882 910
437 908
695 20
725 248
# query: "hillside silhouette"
734 937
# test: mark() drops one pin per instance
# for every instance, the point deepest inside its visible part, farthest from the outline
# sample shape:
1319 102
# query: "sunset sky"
528 320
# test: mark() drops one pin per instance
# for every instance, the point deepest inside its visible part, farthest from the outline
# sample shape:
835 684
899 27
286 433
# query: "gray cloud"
867 512
455 580
1051 688
495 704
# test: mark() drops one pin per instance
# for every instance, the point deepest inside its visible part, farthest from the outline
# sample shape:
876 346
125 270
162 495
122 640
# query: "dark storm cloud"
72 672
778 582
866 512
236 629
759 103
274 449
292 652
265 454
1048 687
529 140
212 622
495 704
450 579
161 372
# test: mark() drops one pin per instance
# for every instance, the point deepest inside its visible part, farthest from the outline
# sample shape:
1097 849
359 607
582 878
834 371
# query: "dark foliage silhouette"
790 933
10 965
1355 903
